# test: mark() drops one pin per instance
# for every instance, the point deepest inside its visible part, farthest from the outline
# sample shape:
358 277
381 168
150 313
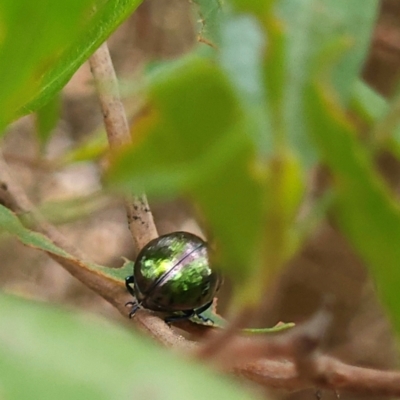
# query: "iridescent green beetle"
172 274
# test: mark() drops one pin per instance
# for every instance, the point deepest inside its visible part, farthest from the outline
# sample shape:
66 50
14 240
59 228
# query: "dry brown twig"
289 361
140 218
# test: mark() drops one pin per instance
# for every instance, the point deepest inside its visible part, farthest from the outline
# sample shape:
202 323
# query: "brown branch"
220 342
273 362
140 218
329 373
13 197
292 361
289 361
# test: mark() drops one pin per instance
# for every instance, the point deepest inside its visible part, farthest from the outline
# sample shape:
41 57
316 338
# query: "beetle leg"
189 314
135 306
175 318
129 280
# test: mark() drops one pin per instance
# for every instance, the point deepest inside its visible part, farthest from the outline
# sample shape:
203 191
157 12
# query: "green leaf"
34 34
219 322
91 148
48 353
210 12
241 56
368 104
279 327
76 208
312 27
11 224
194 141
65 35
364 208
47 118
258 7
381 117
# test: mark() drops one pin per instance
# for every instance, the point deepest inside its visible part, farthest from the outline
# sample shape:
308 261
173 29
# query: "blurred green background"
253 127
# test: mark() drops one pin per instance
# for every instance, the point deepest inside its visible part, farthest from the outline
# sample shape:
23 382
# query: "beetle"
172 274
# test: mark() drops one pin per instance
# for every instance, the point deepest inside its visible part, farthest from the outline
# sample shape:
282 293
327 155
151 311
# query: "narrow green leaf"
219 322
194 142
209 12
381 117
315 24
47 118
10 223
279 327
366 211
368 104
79 46
76 208
312 26
257 7
47 353
242 52
34 34
91 148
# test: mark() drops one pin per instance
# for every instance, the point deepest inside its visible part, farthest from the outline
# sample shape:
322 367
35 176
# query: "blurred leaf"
252 55
364 208
315 24
108 16
367 103
47 353
193 140
242 52
47 118
312 26
257 7
10 223
64 211
91 148
381 117
33 36
210 12
64 35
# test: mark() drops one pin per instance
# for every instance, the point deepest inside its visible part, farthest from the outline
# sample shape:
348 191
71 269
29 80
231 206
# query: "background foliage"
271 92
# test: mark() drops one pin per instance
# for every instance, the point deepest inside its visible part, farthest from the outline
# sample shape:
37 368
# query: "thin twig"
253 358
140 218
13 197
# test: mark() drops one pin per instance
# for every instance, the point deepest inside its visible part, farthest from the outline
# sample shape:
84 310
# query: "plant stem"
140 218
